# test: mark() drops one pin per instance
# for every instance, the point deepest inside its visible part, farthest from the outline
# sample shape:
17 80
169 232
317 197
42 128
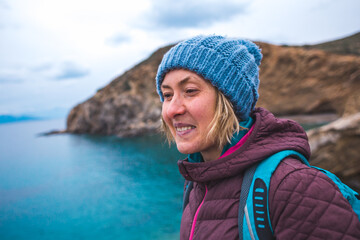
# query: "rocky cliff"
300 81
293 81
127 106
348 45
335 147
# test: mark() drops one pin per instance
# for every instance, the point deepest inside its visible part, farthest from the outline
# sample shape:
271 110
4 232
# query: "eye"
191 91
167 96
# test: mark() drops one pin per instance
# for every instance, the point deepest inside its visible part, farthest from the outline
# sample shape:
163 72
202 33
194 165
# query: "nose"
175 107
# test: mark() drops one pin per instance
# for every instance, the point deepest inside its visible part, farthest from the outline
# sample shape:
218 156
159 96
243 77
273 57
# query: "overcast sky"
55 54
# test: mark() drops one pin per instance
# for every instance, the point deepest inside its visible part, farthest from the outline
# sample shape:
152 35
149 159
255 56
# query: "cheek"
204 110
163 114
165 118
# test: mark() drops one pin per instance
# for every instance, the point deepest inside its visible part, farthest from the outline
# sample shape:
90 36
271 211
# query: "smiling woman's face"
188 108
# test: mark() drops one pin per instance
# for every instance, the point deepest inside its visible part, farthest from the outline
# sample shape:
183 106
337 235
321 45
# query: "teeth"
180 129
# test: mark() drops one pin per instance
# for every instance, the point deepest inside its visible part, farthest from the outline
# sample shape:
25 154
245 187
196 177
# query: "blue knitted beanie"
231 65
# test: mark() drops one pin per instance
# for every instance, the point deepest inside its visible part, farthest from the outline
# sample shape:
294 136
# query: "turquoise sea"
86 187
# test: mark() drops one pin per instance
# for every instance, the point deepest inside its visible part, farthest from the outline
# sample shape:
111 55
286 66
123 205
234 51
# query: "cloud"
4 7
43 67
190 13
118 39
40 72
70 70
14 75
4 4
10 79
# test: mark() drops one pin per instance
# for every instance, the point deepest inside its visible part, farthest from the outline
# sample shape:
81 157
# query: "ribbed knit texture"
231 65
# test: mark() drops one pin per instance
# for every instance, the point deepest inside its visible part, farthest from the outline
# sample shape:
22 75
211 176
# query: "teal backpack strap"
253 219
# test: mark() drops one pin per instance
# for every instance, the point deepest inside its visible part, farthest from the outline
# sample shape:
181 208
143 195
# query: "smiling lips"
183 128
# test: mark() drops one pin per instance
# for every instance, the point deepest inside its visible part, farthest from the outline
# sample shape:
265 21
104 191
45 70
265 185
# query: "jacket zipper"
196 214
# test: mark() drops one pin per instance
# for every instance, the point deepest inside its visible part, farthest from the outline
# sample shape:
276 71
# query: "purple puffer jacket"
304 203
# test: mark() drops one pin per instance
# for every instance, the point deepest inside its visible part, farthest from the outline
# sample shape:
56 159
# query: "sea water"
86 187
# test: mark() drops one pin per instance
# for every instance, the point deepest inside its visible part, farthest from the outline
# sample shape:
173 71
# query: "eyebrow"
182 82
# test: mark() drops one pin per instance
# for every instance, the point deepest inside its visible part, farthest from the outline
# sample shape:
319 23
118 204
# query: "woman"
209 88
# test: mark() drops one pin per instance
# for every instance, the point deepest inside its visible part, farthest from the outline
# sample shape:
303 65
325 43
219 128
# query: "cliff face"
299 81
335 147
347 45
128 106
293 81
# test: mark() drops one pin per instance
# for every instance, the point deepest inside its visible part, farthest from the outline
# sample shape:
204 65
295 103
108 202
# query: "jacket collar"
246 125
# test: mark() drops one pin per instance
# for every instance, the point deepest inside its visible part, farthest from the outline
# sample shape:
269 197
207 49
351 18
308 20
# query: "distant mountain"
344 46
10 118
54 113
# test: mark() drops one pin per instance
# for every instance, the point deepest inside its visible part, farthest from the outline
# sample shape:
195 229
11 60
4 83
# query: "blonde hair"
222 127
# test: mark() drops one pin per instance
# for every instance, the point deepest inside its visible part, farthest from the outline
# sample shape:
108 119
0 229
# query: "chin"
185 150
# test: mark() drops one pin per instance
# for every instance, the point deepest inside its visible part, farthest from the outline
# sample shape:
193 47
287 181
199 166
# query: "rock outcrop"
293 81
299 81
335 147
348 45
128 106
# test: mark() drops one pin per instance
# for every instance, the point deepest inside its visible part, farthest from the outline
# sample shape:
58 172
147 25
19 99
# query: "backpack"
254 218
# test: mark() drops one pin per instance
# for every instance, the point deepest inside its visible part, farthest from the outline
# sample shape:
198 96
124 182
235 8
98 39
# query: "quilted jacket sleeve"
306 204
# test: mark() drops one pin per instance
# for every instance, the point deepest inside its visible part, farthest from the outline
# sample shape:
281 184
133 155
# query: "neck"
210 155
